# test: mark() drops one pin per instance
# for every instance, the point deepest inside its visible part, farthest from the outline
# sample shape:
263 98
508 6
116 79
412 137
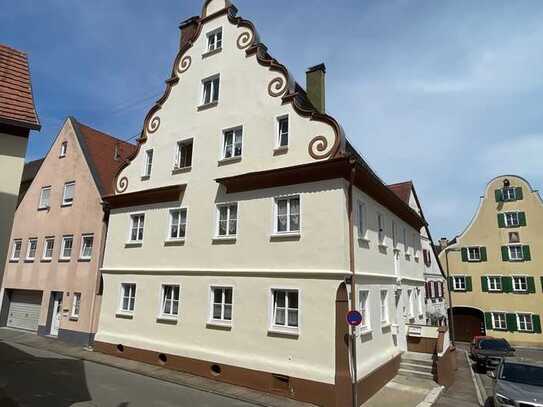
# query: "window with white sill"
31 251
515 253
76 305
525 322
232 143
384 307
66 247
44 198
494 283
287 215
48 248
282 132
148 163
405 243
474 253
68 194
86 246
128 297
364 308
459 283
169 307
227 220
63 149
520 283
214 40
381 228
221 304
362 229
178 224
137 222
16 250
499 320
512 219
183 154
210 90
509 194
285 312
394 236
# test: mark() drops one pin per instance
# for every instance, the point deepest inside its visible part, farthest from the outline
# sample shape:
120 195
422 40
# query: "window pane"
228 312
280 298
175 307
232 227
222 228
217 309
215 90
293 300
292 317
282 207
280 316
295 206
294 223
282 223
217 295
228 296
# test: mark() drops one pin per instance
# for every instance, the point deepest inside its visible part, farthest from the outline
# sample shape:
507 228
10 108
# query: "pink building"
51 280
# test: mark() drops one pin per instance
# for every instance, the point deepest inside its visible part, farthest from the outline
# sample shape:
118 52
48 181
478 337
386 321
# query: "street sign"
354 318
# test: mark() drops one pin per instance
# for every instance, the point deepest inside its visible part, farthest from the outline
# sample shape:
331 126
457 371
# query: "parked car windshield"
525 374
493 344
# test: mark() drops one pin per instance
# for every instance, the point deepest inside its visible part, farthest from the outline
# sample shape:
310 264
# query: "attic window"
214 40
63 149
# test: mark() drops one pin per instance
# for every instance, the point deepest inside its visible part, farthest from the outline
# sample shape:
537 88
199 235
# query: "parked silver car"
518 382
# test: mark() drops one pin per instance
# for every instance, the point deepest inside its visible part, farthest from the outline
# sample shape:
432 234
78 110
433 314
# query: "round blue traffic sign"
354 318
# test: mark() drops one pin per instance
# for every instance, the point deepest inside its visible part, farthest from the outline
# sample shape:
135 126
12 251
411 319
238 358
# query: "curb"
431 397
476 383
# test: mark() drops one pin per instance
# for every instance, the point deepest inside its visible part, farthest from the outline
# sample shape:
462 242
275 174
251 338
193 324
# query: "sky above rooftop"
447 94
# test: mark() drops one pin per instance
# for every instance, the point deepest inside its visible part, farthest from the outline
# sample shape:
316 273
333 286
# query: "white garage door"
24 310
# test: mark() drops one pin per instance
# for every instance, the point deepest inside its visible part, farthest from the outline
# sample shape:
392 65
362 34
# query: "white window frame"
364 307
162 312
419 302
474 258
68 201
212 41
228 206
222 320
45 248
362 218
177 238
215 81
63 247
28 248
411 303
497 322
415 237
286 328
498 286
510 252
178 156
289 230
514 221
14 249
384 308
76 306
44 203
381 232
63 149
82 250
233 156
148 161
279 133
131 296
140 225
405 242
509 189
523 280
456 283
526 323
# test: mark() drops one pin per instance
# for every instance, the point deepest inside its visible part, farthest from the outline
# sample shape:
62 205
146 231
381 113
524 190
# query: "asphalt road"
37 378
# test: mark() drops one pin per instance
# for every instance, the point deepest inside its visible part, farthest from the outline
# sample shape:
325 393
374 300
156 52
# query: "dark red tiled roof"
99 149
16 100
403 190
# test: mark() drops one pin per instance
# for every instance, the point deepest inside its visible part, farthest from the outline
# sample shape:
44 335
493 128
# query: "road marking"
479 396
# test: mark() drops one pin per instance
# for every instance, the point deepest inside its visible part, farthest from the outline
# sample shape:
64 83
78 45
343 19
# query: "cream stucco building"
496 265
237 228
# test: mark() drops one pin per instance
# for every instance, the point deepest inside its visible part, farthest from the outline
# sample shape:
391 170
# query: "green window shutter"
464 254
531 285
451 283
505 253
501 220
511 322
507 284
518 193
526 253
483 254
499 196
542 283
488 320
469 286
537 324
484 284
522 218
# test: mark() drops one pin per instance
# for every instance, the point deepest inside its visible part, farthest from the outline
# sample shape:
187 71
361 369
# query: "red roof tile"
16 100
403 190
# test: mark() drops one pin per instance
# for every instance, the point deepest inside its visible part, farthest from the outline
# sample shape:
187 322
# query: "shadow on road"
40 381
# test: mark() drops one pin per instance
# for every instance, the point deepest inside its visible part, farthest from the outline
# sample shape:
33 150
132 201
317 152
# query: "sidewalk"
406 391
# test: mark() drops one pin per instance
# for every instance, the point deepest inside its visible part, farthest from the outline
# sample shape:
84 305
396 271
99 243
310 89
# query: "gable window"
459 283
512 219
86 246
76 305
287 214
509 194
499 320
494 283
364 308
210 90
148 164
170 301
227 220
31 251
136 227
44 198
66 247
520 283
525 322
128 297
48 248
178 224
381 228
232 143
362 231
221 304
282 132
515 253
16 250
474 253
285 308
68 194
183 155
214 40
384 307
63 149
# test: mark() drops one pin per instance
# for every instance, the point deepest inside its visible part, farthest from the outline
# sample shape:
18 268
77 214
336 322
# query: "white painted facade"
314 262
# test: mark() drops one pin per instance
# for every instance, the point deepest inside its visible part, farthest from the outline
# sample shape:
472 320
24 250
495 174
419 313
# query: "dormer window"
214 40
63 149
210 90
509 194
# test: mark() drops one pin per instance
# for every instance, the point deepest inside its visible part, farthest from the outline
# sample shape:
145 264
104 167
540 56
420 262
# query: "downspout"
352 163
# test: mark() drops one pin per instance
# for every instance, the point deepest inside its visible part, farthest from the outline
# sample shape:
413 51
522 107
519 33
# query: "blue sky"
445 93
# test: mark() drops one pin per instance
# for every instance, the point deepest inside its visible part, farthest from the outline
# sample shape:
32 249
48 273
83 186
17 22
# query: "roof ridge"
13 49
101 132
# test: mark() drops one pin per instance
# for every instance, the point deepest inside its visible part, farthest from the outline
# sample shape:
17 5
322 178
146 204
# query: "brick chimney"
188 28
315 86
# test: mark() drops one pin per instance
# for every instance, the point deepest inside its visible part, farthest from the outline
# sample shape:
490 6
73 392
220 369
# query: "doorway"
56 312
468 322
